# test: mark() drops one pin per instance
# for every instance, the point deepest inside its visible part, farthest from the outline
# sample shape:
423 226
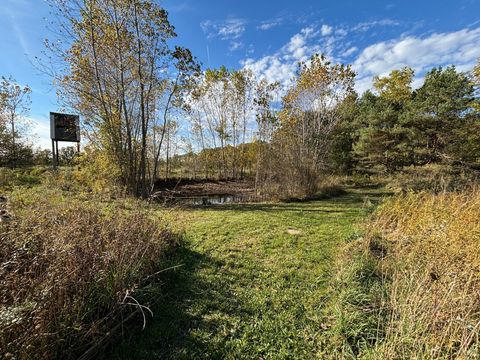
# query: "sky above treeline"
270 37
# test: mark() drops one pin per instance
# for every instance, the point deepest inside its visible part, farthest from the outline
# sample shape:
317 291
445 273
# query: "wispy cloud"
235 45
229 29
326 30
349 52
232 29
181 7
17 30
365 26
270 24
291 19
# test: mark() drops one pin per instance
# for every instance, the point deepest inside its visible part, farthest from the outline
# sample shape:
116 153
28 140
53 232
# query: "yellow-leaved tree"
122 76
311 110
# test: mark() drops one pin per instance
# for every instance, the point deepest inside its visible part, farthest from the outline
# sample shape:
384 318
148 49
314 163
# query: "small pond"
208 200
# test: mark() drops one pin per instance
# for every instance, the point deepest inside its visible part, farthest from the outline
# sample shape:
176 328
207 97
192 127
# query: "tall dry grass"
71 270
433 262
418 271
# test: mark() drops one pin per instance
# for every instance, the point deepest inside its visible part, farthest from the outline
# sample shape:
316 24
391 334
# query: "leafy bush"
326 188
70 269
96 172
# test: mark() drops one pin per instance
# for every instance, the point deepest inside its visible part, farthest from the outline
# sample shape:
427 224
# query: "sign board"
64 127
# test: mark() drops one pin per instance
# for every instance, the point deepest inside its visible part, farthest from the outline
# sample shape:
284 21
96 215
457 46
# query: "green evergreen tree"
341 157
381 135
443 120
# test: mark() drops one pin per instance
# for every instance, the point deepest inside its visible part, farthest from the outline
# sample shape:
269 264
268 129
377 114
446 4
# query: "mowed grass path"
249 288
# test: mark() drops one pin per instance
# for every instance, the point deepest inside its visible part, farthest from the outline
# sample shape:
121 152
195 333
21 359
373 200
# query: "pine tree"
442 117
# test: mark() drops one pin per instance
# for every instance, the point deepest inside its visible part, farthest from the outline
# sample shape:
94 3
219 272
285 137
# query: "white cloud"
365 26
235 45
297 42
232 29
341 32
267 25
327 39
326 30
460 48
229 29
281 65
308 31
40 133
349 51
272 68
207 26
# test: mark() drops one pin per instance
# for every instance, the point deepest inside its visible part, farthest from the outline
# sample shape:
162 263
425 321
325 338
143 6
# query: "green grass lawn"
254 282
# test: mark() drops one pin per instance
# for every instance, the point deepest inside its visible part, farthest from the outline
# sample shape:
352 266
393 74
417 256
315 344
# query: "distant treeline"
382 131
145 105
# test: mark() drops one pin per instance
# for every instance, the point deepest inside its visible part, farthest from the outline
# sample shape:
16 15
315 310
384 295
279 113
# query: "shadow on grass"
196 304
182 314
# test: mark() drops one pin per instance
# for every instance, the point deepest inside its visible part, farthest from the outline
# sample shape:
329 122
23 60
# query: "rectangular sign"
64 127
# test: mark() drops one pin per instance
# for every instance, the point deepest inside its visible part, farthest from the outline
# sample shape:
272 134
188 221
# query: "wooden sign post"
63 127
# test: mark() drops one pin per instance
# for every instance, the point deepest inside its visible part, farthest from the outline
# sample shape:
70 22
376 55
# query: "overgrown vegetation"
78 257
410 285
73 269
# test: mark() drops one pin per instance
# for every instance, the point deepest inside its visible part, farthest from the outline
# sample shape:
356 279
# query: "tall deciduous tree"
396 87
119 67
267 123
311 110
14 106
220 108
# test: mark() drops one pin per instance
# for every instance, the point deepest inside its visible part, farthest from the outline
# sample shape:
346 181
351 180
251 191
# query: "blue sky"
270 37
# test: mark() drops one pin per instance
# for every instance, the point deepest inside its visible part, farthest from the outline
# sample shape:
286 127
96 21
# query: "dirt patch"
173 188
292 231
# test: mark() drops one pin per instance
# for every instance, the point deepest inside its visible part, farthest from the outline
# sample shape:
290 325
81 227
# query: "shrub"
326 188
96 172
70 269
